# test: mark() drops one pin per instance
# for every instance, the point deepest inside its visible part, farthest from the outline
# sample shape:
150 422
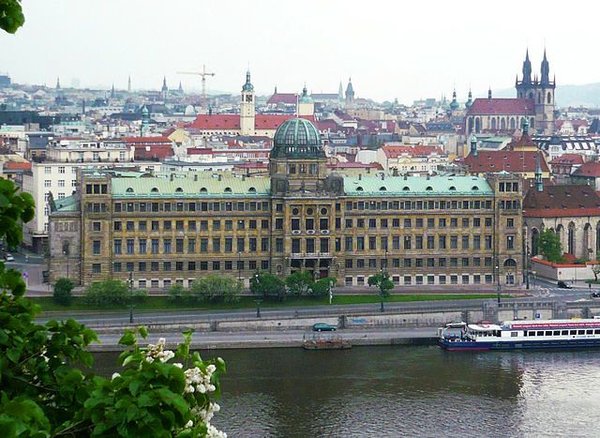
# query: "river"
406 392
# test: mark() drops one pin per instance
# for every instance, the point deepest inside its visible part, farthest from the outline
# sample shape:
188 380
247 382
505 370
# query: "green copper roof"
417 186
67 204
185 186
297 138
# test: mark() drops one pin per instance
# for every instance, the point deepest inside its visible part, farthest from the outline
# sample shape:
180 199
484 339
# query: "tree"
62 292
550 246
109 293
179 294
11 15
267 285
45 385
383 283
299 283
215 288
596 271
321 287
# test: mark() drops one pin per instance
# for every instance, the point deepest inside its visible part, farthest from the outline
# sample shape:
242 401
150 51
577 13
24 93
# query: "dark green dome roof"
297 138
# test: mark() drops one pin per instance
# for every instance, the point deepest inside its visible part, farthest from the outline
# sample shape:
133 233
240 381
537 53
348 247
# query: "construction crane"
203 74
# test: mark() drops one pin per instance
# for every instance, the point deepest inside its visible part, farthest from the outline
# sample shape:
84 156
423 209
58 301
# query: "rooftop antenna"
203 75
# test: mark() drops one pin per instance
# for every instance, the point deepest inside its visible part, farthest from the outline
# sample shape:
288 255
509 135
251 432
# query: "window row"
227 265
190 225
420 205
155 207
409 242
419 262
465 222
409 280
188 246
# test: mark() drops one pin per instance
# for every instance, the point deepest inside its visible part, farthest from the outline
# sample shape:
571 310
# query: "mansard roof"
561 201
501 106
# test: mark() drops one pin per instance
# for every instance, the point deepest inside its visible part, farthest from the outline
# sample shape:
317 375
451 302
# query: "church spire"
490 92
112 91
539 184
58 83
129 84
527 69
545 80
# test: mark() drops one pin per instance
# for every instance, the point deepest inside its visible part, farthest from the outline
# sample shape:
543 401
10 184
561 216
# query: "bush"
62 292
107 293
216 288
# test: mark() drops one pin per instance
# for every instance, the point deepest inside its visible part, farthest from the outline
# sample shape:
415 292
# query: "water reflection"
405 391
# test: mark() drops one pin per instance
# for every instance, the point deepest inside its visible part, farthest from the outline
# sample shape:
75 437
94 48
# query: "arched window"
474 188
571 239
178 190
66 249
203 190
477 125
510 263
406 189
359 189
382 189
512 123
549 97
251 190
539 97
452 188
154 190
429 188
493 124
532 123
129 190
503 124
227 190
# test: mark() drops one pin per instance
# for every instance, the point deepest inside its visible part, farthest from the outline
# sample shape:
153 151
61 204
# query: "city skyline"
384 48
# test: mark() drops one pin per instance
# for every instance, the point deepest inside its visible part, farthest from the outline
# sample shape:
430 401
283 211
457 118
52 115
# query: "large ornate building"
162 230
534 103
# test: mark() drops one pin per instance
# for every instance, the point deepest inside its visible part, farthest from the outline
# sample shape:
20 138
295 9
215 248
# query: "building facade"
460 230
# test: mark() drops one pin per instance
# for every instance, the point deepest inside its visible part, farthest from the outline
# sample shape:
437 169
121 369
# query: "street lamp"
130 297
258 301
498 281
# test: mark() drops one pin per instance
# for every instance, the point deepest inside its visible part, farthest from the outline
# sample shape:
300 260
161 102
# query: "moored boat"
328 343
521 334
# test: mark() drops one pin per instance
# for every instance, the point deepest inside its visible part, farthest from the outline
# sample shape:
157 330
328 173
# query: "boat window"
556 332
548 332
573 332
597 332
581 332
540 333
589 331
532 333
514 334
565 332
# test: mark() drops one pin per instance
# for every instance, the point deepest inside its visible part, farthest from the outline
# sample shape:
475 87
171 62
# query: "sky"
390 49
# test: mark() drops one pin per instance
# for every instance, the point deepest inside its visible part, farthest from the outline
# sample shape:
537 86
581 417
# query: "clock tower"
247 108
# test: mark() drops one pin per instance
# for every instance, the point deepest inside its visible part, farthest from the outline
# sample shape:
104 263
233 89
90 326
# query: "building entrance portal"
318 268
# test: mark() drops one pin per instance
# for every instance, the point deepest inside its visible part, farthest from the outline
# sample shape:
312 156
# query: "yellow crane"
203 74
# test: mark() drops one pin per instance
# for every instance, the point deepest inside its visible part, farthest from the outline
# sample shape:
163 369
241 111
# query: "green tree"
320 288
45 386
11 15
550 246
383 282
109 293
299 283
267 285
62 292
217 288
179 294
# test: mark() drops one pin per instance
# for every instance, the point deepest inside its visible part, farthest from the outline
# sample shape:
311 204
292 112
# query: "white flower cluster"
196 380
206 414
158 352
213 432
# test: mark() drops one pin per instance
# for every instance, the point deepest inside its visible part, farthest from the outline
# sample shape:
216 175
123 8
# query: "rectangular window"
142 266
264 244
510 242
407 263
154 266
279 244
167 225
117 267
407 223
295 246
241 244
418 242
465 242
142 246
407 242
442 223
442 262
179 246
142 226
477 242
252 245
155 249
130 246
96 268
442 242
167 246
310 245
453 242
324 244
117 246
117 226
216 266
216 244
229 244
96 247
191 246
430 242
372 242
360 243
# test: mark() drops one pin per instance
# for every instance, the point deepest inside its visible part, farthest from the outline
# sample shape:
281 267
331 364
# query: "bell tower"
247 107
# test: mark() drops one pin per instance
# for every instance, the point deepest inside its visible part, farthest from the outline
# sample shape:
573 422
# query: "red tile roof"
509 161
568 159
286 98
17 165
562 201
215 122
591 169
502 106
199 151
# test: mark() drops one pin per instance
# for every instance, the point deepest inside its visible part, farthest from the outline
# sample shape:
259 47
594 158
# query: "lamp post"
66 254
258 301
528 268
498 281
239 266
130 297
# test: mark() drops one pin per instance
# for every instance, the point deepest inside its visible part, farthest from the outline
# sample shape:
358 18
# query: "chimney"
195 177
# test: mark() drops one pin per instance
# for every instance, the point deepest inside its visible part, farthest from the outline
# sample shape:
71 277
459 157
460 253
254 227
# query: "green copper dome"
248 87
297 138
305 98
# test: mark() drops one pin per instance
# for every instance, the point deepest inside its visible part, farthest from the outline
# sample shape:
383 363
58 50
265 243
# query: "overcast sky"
391 49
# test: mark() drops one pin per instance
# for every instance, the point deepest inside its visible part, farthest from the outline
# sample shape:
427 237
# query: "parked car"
9 257
323 327
595 295
563 285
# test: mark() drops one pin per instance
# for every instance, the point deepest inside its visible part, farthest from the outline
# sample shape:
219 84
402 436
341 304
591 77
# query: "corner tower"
247 107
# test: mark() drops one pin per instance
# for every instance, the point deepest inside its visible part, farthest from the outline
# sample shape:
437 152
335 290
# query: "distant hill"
568 95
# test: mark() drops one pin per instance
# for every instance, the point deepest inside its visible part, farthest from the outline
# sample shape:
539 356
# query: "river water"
407 392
